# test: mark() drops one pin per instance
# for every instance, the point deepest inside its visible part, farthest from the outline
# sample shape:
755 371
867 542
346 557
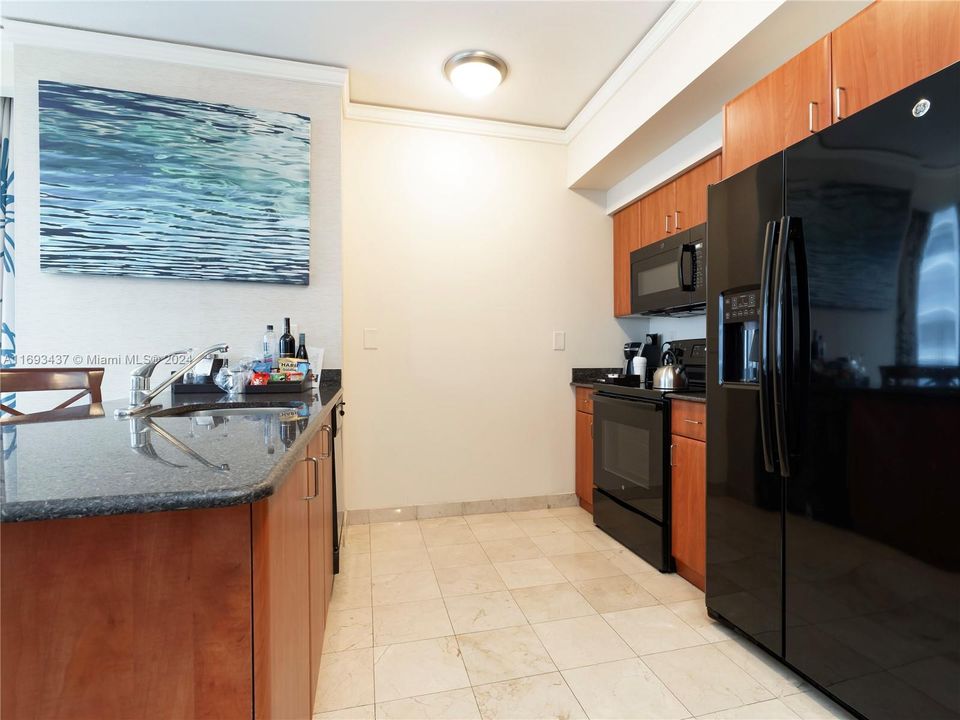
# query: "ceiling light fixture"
475 73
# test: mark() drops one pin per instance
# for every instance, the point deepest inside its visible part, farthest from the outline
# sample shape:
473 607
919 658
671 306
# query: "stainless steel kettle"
671 375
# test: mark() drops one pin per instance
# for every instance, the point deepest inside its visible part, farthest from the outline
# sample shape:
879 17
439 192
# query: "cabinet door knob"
837 92
810 115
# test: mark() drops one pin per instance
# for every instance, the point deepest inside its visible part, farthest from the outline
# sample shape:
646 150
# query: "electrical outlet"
559 340
370 339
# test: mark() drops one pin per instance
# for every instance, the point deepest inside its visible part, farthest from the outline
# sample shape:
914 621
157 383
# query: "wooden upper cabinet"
691 193
657 214
781 109
626 238
891 45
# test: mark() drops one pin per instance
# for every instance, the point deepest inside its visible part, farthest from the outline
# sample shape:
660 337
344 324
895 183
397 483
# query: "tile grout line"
640 657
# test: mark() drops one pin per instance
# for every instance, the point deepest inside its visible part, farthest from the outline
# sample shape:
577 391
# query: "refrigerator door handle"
789 229
769 243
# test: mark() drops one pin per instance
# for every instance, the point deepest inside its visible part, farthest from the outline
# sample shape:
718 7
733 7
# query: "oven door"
663 276
628 452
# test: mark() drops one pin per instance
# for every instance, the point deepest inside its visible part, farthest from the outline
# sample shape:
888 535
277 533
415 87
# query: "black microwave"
669 277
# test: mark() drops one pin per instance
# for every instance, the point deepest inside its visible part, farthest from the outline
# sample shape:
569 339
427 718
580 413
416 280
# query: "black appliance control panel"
741 307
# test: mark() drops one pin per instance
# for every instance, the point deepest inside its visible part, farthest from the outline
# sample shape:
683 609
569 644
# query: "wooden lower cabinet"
293 580
318 508
688 534
584 460
211 613
129 616
281 590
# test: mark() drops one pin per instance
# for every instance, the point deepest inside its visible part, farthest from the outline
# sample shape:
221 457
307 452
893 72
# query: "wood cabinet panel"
657 214
688 419
626 239
584 460
585 399
316 509
688 533
132 616
890 45
281 587
691 193
779 110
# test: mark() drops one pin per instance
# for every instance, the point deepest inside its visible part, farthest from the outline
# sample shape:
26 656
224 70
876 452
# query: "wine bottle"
288 347
302 350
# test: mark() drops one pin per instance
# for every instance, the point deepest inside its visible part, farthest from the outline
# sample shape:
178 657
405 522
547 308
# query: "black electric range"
631 457
636 387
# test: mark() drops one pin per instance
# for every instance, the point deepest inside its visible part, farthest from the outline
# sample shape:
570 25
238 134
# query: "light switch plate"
370 339
559 340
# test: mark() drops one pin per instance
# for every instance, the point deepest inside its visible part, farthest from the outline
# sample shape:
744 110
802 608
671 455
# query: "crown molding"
661 30
17 32
452 123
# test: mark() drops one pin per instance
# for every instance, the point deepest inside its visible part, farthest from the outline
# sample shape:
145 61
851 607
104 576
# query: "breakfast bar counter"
107 466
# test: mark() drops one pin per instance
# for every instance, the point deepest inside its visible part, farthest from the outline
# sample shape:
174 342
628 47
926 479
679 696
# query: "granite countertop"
104 466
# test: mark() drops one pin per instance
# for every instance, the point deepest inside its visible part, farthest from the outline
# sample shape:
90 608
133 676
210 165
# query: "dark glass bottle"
302 350
288 346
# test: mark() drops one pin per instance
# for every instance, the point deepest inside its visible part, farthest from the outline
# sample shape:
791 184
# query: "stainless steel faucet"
140 392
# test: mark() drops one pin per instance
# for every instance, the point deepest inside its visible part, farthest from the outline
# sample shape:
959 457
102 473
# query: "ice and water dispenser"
740 336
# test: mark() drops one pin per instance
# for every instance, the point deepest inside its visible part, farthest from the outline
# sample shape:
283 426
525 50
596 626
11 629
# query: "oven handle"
639 404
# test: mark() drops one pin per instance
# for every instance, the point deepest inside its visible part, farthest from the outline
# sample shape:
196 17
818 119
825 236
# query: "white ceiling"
558 53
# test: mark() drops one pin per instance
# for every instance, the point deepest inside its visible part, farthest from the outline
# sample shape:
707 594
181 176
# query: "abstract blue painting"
158 187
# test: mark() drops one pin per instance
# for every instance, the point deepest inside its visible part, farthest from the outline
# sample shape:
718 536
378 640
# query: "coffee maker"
633 351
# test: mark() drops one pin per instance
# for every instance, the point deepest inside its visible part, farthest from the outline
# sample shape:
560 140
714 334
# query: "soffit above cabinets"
558 53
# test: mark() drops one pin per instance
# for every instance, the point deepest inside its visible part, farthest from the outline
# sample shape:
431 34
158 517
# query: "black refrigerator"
833 405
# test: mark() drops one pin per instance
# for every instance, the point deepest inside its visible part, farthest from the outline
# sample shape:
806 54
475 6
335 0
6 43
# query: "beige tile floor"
523 616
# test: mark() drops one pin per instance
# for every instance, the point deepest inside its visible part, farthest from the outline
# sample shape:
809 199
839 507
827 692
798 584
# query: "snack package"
260 378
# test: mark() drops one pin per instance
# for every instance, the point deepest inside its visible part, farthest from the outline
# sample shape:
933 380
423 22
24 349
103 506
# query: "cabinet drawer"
585 400
688 419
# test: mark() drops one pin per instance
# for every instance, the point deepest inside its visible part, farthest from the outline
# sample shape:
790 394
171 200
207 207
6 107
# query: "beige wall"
466 253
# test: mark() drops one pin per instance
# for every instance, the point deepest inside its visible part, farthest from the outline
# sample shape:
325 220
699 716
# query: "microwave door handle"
685 250
766 423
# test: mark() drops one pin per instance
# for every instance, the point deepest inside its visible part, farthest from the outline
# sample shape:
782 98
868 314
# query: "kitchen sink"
227 409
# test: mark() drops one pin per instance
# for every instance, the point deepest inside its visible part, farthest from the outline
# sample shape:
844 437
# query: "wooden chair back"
16 380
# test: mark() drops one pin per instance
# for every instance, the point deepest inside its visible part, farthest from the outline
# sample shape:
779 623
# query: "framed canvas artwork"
147 186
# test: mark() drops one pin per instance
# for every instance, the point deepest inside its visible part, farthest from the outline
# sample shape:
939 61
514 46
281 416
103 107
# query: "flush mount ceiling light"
475 73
